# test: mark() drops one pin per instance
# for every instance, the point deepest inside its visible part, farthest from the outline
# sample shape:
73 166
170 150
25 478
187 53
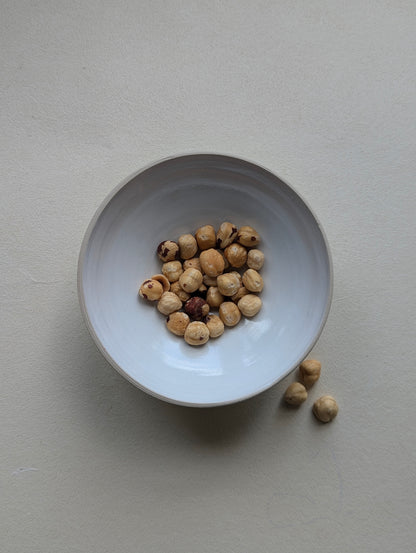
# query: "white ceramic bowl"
176 196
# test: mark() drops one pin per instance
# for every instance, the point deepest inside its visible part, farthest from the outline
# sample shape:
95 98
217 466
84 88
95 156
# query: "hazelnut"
255 259
296 394
163 281
196 308
325 408
196 333
177 322
172 270
168 303
237 274
202 289
309 371
228 284
248 236
187 246
249 305
226 263
151 290
252 281
236 255
190 280
215 326
205 236
210 281
229 313
167 251
241 292
193 263
212 262
214 297
226 235
177 289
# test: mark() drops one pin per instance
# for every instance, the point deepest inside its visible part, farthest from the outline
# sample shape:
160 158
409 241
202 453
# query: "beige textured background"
323 93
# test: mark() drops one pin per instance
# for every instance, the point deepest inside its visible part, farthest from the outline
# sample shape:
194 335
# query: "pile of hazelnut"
192 285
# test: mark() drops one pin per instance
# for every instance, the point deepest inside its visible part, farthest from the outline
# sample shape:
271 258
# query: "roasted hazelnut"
296 394
309 372
236 254
193 263
226 235
325 408
177 289
255 259
187 246
168 303
196 333
252 281
172 270
151 290
241 292
210 281
249 305
229 313
163 281
214 297
197 308
215 326
190 280
248 236
212 262
228 284
167 251
202 289
205 236
237 274
177 322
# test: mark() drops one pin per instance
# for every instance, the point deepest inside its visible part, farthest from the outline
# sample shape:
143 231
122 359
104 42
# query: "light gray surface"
323 93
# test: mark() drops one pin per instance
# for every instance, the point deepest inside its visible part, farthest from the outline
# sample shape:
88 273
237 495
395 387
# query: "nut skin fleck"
325 409
296 394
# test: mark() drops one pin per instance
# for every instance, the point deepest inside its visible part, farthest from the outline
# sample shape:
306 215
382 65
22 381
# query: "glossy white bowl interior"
177 196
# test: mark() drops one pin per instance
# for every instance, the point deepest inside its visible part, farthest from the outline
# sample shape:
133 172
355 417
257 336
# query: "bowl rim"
90 327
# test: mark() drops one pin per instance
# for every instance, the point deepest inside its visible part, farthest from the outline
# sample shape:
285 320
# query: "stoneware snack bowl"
176 196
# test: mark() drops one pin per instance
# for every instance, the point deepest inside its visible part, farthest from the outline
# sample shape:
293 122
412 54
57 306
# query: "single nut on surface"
236 255
255 259
325 408
296 394
253 281
229 313
177 289
210 281
187 246
190 280
172 270
168 250
214 297
228 284
192 263
212 262
309 371
168 303
196 333
205 236
215 326
197 308
163 281
249 305
151 290
226 235
248 236
241 292
177 322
